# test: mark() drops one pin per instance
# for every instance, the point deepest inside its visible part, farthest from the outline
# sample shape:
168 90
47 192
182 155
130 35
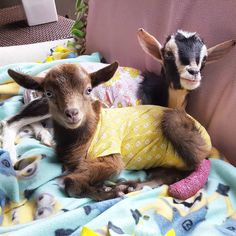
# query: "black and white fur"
182 57
34 112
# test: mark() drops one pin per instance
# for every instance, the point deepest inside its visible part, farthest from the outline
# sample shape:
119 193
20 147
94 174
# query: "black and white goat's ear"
149 44
219 50
104 74
27 81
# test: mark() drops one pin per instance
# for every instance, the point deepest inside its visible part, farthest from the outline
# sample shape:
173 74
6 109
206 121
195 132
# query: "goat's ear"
219 50
104 74
27 81
150 44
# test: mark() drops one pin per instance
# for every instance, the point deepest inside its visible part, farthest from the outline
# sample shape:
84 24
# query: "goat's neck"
177 98
72 144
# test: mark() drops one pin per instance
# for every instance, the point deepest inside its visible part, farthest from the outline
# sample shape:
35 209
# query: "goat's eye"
88 91
49 94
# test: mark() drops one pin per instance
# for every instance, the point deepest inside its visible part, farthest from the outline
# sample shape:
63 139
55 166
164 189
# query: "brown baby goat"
77 118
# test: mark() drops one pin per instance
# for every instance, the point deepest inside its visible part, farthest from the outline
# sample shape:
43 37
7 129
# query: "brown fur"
160 175
177 98
180 130
87 179
68 154
67 86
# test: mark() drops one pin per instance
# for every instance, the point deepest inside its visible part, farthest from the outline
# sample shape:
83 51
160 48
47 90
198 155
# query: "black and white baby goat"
182 57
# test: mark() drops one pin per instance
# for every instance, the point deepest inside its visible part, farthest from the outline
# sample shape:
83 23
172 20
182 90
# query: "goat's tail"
185 136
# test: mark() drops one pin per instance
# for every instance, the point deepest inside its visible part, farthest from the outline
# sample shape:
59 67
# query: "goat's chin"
70 125
190 82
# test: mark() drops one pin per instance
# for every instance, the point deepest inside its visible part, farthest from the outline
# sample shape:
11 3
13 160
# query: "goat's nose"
193 72
71 113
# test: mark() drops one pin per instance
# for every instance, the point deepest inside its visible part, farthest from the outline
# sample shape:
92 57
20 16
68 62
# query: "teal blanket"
32 201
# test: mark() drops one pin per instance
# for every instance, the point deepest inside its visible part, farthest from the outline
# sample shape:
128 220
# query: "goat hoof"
45 138
107 189
131 189
120 194
125 187
122 187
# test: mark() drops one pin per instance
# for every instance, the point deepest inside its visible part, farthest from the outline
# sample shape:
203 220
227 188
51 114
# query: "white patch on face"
185 77
187 80
172 46
182 70
189 84
186 34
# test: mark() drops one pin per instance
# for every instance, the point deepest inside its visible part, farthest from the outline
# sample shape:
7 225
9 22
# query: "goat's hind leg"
88 178
35 111
161 175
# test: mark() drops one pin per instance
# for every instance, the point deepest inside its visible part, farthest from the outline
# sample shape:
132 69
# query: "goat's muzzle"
193 72
72 115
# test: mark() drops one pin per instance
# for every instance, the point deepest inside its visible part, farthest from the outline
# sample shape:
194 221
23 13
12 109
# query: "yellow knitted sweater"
135 133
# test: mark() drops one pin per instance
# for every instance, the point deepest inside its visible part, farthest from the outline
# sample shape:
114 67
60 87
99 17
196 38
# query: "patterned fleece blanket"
32 201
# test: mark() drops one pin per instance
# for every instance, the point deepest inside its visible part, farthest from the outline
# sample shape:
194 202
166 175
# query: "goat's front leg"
35 111
88 178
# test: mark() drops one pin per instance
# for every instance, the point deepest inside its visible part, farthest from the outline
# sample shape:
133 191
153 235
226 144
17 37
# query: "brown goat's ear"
27 81
150 44
104 74
219 50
